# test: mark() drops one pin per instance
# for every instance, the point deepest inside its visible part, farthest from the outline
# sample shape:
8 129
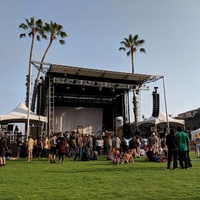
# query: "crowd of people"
174 147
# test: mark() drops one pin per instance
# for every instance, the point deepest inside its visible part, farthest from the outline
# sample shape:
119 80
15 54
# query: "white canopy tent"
162 118
20 114
193 133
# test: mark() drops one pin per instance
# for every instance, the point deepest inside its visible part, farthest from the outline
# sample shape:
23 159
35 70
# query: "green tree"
34 29
56 32
131 45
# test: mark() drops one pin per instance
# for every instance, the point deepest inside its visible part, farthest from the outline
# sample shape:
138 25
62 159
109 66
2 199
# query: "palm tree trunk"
35 88
29 74
135 108
132 61
28 94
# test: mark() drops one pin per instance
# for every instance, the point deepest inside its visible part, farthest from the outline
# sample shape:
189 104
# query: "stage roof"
137 79
81 84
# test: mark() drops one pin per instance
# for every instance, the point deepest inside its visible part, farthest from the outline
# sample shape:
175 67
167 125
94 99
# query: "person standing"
172 145
197 144
53 143
19 146
3 146
98 145
182 148
62 149
45 147
30 148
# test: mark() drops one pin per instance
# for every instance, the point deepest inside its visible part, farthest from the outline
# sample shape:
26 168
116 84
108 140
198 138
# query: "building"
187 114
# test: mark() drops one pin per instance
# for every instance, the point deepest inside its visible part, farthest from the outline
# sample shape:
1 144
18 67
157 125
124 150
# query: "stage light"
83 88
68 87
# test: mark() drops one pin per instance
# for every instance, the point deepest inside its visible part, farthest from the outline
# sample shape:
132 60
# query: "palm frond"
135 38
122 42
30 34
39 23
141 41
22 35
63 34
38 37
62 42
23 26
134 49
142 50
44 36
128 53
122 49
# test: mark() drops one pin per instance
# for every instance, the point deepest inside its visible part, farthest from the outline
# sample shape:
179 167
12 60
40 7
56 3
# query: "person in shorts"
53 143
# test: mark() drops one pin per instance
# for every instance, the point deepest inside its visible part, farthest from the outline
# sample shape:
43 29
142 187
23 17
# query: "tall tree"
34 30
56 32
131 45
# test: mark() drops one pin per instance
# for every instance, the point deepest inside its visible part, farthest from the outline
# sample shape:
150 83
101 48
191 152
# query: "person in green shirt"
183 147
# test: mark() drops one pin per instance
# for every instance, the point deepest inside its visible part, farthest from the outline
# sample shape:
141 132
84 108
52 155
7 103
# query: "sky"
95 28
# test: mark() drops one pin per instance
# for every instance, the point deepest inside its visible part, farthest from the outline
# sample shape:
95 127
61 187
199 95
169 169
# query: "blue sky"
95 28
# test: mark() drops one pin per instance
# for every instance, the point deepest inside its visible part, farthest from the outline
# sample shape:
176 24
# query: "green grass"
97 180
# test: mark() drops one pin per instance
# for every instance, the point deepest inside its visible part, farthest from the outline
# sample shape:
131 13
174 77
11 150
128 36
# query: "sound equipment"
156 104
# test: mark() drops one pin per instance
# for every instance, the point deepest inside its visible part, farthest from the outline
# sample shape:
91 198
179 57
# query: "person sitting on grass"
129 157
86 154
111 154
151 157
119 157
163 157
94 155
9 155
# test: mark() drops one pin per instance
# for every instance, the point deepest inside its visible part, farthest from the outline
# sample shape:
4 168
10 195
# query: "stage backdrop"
69 118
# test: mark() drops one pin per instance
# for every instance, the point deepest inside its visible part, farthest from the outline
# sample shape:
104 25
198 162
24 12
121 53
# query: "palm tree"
34 29
56 31
131 45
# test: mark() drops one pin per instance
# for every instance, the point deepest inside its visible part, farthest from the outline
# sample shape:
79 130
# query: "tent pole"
165 104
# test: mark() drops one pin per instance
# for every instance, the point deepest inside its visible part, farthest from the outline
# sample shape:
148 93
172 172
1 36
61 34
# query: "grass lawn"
98 180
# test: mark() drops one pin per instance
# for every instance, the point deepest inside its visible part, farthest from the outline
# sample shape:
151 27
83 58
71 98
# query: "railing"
12 136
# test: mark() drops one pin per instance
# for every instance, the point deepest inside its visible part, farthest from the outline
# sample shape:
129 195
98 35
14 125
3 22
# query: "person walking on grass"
172 145
182 148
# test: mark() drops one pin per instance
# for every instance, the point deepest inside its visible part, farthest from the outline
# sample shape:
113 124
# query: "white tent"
162 118
19 114
193 133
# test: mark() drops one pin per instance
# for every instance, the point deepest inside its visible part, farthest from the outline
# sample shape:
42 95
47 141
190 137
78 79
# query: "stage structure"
86 99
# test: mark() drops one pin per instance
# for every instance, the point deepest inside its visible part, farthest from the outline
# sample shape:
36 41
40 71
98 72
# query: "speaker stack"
156 103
